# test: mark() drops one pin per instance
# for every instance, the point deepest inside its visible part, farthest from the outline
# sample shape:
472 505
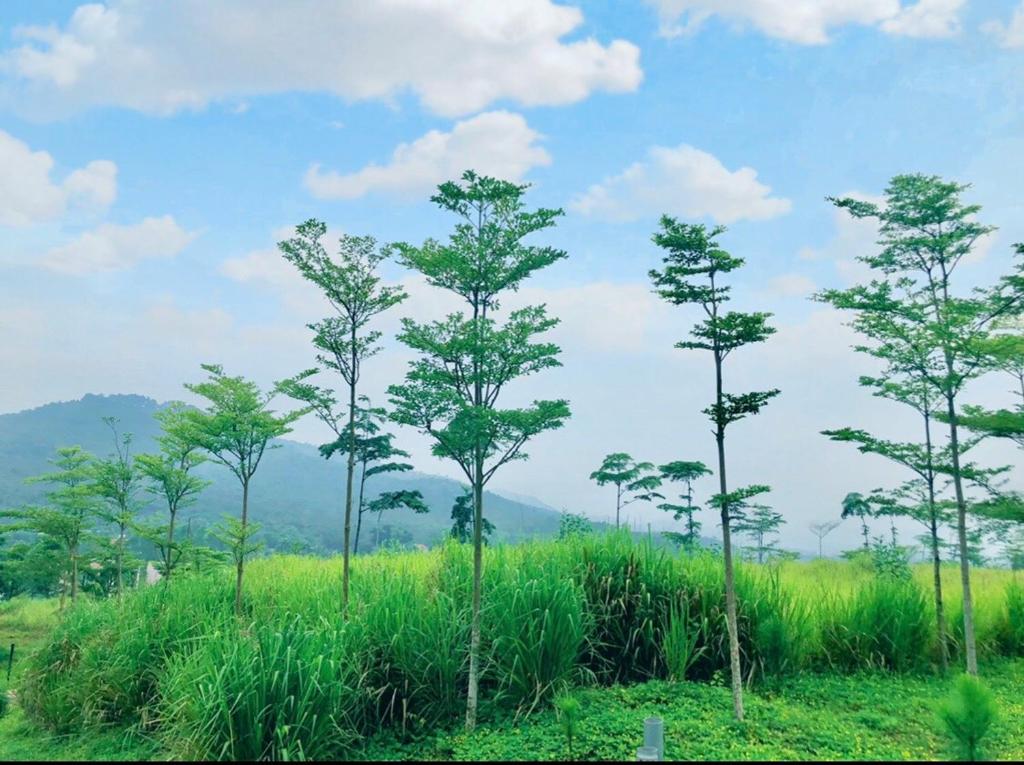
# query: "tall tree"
70 505
759 522
856 505
822 530
633 481
694 267
685 473
466 361
925 232
394 500
169 476
353 287
236 428
117 484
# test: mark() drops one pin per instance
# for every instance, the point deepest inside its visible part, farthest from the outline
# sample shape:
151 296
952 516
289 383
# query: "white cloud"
496 143
853 238
1010 34
926 18
791 285
28 194
112 247
266 268
809 22
681 181
456 57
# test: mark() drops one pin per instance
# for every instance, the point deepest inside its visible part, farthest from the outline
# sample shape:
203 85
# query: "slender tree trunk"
864 527
64 586
241 552
120 562
618 503
933 528
478 516
940 616
730 584
478 565
74 575
970 647
359 509
821 542
170 548
348 482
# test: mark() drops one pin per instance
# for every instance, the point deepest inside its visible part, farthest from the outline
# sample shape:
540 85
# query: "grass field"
842 664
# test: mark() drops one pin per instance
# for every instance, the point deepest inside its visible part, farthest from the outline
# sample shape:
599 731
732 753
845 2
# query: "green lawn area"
860 717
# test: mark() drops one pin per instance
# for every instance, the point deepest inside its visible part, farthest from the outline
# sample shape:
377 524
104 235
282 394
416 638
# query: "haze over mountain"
296 495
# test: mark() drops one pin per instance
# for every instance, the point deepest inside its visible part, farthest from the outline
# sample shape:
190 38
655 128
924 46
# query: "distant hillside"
296 494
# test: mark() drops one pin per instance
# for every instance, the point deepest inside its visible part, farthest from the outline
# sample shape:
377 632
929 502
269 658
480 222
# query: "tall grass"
292 680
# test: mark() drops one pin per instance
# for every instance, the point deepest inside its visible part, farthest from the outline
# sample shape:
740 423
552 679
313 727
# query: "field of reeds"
292 679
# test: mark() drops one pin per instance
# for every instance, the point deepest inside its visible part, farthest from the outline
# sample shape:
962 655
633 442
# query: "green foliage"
891 561
595 609
463 520
633 481
465 361
682 641
537 629
278 693
685 473
1010 626
967 715
886 624
237 427
237 537
72 504
573 524
759 522
569 709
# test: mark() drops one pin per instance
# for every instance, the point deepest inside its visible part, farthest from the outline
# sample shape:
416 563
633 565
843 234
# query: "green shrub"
1010 627
278 694
682 641
536 625
967 716
887 624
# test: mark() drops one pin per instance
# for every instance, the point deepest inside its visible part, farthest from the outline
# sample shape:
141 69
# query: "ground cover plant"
292 679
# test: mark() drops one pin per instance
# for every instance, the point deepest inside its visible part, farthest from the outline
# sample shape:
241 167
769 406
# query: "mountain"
296 495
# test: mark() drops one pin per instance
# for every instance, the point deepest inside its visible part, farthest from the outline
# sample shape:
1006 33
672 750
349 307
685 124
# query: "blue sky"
154 152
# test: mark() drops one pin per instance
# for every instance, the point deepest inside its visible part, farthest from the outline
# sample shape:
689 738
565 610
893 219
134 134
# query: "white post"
654 735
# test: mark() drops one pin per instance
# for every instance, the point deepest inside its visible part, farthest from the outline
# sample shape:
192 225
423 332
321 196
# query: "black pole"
10 663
